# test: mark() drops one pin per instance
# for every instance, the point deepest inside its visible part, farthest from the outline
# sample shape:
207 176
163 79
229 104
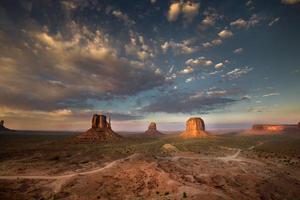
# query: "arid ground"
229 166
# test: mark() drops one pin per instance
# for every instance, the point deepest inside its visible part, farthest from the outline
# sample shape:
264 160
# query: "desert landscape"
149 100
143 166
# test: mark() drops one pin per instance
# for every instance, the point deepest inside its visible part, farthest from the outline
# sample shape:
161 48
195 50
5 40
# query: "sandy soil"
180 175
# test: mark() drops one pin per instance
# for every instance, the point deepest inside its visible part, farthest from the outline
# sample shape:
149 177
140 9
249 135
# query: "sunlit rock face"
195 127
268 127
100 131
152 130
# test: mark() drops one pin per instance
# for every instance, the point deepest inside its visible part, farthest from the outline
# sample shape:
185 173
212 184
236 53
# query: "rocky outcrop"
152 130
274 127
2 127
195 127
100 131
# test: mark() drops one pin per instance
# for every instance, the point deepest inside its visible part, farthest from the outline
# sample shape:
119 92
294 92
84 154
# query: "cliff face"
195 127
274 127
100 131
2 127
152 129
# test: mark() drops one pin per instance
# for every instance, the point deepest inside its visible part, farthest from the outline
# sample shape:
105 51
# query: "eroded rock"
152 130
195 127
101 130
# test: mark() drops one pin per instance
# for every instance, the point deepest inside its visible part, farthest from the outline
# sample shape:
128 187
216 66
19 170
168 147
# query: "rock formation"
152 130
267 127
100 131
299 125
195 127
2 127
274 127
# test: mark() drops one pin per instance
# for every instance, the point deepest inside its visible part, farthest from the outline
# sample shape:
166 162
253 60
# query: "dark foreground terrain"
35 166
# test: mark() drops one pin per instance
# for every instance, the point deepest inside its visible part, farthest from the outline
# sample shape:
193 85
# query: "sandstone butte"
2 127
152 130
195 127
274 127
100 131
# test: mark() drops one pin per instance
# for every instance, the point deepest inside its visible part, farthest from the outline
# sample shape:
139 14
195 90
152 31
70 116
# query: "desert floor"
229 166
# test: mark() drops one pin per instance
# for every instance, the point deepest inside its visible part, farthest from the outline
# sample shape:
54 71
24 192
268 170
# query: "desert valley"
195 164
149 100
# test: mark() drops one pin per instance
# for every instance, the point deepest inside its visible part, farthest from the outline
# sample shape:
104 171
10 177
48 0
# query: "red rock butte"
2 127
152 129
195 127
274 127
100 131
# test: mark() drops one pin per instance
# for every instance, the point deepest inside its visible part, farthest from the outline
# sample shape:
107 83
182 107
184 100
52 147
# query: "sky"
232 62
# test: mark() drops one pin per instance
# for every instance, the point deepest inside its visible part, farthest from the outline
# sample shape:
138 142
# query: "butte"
101 131
195 127
152 130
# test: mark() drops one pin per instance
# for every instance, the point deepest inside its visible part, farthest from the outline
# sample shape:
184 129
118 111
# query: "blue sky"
234 63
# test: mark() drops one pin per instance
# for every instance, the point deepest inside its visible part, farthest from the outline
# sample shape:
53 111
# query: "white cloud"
123 17
219 65
138 47
290 2
174 11
238 51
271 94
240 23
189 79
198 62
188 9
183 47
186 70
225 33
271 23
212 43
237 72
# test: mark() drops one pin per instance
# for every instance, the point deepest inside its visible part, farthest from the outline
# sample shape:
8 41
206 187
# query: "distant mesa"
275 127
2 127
152 130
100 131
195 127
267 129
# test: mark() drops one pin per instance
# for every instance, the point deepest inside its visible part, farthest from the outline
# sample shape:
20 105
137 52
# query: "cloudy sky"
233 63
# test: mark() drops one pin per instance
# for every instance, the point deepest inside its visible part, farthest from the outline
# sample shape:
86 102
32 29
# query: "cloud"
271 94
71 69
290 2
210 18
219 65
238 50
241 23
225 33
189 79
186 70
183 47
138 47
237 72
198 102
188 9
275 20
174 11
199 62
212 43
123 17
